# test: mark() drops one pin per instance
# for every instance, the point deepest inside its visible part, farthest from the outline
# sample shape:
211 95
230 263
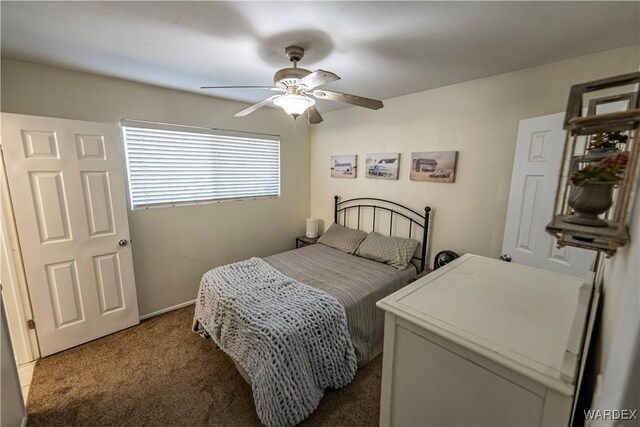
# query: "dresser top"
532 318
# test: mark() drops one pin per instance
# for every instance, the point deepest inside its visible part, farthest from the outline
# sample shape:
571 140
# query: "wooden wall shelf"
578 156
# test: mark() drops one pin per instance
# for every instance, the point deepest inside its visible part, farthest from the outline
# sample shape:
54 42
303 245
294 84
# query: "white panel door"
536 168
68 193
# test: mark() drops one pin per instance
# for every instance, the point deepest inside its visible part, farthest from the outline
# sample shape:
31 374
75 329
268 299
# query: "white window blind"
170 165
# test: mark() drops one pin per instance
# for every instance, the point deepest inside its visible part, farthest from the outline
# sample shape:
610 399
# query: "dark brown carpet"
160 374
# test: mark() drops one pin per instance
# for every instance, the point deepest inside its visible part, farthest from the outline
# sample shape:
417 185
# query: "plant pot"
602 150
588 201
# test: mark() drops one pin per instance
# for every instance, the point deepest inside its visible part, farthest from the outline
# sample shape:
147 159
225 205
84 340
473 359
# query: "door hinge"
31 324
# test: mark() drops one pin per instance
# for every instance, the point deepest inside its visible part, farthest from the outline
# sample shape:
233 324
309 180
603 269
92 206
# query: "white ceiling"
380 49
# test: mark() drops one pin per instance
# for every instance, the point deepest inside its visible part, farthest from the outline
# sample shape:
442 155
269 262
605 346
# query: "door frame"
17 301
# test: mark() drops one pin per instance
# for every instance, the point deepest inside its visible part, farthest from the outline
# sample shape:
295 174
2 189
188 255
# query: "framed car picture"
433 166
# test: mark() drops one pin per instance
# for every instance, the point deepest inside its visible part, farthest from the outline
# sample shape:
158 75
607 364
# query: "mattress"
357 283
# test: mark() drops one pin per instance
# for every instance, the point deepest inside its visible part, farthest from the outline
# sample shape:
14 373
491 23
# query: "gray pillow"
391 250
343 238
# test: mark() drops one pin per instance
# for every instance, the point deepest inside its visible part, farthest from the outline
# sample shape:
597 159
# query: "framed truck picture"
382 166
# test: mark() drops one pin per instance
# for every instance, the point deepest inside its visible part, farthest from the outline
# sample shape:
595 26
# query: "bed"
357 283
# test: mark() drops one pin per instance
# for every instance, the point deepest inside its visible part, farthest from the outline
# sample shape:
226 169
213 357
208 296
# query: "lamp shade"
294 104
312 228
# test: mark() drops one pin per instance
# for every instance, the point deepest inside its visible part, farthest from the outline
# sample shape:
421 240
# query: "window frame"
124 123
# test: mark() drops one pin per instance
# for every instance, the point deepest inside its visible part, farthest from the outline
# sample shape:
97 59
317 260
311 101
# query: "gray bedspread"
357 283
290 339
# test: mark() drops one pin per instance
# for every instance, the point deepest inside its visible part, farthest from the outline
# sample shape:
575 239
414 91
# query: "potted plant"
601 143
592 190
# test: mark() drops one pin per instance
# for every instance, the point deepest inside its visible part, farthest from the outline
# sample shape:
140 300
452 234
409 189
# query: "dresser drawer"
433 384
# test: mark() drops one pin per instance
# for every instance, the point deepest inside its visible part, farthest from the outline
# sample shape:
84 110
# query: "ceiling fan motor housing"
289 76
294 53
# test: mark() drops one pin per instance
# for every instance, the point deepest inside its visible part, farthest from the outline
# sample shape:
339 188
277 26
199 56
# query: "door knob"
123 242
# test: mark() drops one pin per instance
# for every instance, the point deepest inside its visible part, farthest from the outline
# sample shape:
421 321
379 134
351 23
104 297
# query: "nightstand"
302 241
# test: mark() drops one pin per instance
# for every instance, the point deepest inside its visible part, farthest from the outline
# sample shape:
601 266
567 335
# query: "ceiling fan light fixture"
294 104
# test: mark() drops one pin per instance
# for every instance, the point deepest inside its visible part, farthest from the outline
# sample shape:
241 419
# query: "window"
170 165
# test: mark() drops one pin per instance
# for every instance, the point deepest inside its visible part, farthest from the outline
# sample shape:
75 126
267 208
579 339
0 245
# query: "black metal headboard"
408 214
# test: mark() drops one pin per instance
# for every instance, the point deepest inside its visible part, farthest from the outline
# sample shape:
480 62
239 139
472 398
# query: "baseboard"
166 310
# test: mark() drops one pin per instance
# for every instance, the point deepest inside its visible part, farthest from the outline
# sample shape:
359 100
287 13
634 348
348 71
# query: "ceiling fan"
298 87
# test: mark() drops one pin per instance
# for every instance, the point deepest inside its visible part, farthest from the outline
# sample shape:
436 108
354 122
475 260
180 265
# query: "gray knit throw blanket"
290 338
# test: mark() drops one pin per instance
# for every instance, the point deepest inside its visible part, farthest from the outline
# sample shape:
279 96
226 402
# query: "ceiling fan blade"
314 116
243 87
345 98
317 78
256 106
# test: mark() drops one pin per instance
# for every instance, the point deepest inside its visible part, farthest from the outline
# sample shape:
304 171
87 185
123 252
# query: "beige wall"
618 352
173 247
479 119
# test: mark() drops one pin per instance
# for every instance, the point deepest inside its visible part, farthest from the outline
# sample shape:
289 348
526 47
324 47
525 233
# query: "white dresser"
483 342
